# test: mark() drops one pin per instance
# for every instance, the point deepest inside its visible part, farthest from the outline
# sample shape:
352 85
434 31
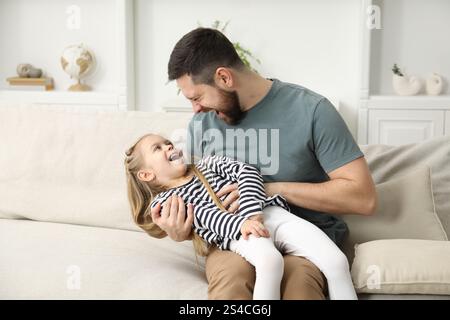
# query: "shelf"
59 97
441 102
39 38
177 104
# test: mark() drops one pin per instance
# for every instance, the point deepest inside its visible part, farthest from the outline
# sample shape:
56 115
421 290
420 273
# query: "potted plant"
405 85
245 54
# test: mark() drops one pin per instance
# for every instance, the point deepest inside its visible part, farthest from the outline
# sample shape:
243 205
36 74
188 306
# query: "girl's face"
162 163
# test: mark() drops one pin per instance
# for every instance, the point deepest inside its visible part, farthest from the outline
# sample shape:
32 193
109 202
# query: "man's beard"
230 107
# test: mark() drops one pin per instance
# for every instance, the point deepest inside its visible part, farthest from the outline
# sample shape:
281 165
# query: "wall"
36 32
414 35
314 43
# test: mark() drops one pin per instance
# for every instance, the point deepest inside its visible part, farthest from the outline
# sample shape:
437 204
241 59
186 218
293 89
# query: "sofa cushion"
405 211
389 162
65 164
42 260
402 266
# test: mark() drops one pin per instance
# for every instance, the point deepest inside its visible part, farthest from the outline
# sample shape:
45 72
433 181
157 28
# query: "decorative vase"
406 85
23 70
26 70
434 84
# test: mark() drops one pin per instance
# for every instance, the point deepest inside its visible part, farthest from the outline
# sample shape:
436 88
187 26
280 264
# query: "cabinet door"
397 127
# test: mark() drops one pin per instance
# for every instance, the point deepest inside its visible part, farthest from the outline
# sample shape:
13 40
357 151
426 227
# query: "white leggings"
292 235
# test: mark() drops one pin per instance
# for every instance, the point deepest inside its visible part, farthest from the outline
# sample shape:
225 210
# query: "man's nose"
196 107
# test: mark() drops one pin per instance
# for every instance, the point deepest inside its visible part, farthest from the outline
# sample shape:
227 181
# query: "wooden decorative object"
47 83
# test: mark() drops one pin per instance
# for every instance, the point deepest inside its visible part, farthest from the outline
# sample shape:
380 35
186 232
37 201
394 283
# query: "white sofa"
65 225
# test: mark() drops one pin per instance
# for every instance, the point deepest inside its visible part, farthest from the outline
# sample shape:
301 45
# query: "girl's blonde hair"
142 193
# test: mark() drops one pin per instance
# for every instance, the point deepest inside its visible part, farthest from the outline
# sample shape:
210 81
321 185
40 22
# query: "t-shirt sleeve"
333 143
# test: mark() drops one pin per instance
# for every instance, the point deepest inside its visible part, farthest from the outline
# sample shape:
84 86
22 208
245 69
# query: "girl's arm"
208 216
250 182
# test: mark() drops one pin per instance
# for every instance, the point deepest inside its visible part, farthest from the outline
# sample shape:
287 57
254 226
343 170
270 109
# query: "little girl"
156 171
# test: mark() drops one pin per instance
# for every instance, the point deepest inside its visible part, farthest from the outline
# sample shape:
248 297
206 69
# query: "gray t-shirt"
293 135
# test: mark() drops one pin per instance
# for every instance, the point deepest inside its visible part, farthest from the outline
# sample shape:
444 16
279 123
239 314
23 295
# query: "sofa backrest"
65 164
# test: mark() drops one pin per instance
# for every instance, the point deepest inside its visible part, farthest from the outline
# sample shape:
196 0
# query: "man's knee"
229 276
302 280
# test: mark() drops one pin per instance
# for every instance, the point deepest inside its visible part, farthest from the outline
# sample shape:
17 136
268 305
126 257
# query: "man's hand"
172 218
231 202
254 227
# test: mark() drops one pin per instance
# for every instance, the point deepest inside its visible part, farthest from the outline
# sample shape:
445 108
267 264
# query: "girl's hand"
257 217
254 227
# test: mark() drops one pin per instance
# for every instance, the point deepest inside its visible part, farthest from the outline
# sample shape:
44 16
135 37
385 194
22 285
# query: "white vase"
406 85
434 84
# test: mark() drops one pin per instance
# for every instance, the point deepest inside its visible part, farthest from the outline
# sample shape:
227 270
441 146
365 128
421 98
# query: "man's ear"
224 78
146 175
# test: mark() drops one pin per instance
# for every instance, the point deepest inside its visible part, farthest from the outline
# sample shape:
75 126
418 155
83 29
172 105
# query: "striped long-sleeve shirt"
213 225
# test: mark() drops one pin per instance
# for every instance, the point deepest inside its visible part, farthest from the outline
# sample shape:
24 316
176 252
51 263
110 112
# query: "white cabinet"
89 100
385 117
396 127
447 123
397 120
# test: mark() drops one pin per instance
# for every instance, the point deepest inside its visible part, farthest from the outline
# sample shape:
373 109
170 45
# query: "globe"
78 62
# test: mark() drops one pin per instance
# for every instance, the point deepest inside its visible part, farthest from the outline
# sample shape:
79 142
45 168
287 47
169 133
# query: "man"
314 161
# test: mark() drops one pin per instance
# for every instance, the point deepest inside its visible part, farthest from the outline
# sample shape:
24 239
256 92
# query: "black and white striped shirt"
213 225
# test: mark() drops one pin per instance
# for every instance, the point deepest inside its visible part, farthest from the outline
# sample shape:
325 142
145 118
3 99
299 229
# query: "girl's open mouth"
177 154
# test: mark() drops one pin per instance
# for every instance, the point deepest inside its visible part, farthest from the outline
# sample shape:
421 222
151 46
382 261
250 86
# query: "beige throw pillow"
402 266
405 211
390 162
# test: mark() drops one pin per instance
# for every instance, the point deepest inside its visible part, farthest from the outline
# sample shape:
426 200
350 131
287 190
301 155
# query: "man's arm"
350 190
249 180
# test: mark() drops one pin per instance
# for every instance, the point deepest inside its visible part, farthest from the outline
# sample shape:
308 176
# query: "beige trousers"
230 277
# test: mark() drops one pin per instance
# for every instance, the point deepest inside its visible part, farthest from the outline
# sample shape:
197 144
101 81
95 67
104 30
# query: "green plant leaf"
245 54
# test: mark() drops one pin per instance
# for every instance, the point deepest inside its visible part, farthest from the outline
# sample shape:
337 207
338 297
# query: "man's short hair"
199 53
